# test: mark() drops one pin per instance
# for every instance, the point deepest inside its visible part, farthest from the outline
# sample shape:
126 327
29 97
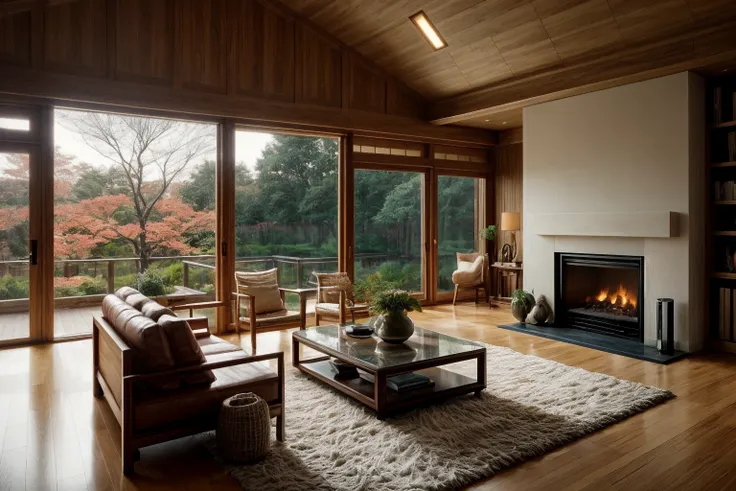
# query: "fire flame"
622 292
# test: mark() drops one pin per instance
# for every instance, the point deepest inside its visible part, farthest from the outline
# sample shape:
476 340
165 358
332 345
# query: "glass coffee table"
424 353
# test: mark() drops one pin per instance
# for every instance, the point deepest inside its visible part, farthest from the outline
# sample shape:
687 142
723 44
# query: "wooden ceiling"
495 42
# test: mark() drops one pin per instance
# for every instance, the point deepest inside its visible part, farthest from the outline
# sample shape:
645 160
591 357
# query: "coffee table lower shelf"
446 384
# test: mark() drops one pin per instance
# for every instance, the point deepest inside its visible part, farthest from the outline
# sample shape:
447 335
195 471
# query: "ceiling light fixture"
428 30
504 122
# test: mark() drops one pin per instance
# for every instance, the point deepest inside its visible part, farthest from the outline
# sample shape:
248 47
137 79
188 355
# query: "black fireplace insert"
600 293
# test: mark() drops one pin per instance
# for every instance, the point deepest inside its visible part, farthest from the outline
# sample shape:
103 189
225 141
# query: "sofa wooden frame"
114 380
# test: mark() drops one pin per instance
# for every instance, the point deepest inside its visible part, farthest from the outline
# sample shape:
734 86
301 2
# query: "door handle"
34 252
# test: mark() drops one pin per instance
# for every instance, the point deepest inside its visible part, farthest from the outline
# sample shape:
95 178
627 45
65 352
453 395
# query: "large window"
286 206
457 224
134 205
389 241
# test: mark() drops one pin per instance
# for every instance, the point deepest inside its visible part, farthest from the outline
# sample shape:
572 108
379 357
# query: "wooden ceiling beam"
112 93
704 47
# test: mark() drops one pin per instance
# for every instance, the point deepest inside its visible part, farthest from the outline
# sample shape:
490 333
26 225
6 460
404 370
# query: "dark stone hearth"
602 342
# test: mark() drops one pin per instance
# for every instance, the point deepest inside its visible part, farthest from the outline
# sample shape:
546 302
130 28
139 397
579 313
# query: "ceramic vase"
520 310
395 327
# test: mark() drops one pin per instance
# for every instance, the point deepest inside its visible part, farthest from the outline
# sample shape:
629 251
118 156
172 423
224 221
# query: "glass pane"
286 207
135 206
457 224
14 222
421 346
389 246
16 124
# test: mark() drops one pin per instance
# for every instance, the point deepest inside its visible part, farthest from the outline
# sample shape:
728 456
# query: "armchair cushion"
468 273
268 298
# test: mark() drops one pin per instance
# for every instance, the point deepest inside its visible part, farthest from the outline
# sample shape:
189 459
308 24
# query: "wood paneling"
145 41
509 187
641 61
318 68
494 41
75 37
249 59
263 51
201 45
15 38
365 85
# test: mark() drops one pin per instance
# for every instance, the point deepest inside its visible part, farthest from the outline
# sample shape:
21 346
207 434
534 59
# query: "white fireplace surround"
622 171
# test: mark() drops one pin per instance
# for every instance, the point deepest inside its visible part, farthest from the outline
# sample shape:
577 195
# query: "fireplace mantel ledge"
646 224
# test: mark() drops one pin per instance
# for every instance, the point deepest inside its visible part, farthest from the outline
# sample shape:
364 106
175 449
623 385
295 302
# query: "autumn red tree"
148 155
142 209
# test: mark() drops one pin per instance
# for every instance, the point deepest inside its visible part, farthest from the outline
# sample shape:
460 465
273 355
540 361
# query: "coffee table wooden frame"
377 395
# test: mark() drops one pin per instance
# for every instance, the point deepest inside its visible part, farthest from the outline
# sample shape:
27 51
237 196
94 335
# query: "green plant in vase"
392 324
522 303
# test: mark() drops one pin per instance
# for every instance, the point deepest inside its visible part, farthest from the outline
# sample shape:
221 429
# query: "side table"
505 270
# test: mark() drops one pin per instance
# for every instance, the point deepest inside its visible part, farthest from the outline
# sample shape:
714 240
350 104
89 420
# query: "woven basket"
244 429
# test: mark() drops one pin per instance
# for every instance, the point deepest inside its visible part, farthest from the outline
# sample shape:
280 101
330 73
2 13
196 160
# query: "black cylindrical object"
666 326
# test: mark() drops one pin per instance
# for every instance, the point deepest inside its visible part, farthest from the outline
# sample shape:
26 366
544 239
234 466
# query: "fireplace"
600 293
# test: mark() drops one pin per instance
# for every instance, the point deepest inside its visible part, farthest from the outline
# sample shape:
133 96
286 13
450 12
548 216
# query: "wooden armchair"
262 298
335 297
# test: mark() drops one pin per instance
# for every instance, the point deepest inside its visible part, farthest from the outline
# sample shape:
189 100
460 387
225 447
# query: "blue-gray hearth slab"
601 342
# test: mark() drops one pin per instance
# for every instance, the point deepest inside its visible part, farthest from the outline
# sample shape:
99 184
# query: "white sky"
249 145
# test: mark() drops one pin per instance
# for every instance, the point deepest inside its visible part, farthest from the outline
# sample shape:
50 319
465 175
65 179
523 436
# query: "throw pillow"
268 299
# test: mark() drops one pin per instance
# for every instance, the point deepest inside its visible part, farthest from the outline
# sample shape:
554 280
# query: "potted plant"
489 234
522 303
392 324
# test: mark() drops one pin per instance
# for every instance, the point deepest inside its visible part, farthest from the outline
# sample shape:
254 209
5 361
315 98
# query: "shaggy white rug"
530 407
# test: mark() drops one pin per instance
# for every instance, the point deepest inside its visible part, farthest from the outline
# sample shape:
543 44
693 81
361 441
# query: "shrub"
93 286
151 283
372 285
173 274
11 288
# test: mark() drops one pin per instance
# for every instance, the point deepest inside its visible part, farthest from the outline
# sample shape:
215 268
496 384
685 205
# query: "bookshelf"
721 158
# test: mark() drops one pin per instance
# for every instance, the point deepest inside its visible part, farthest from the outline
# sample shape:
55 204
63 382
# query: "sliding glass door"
389 231
134 205
459 211
15 277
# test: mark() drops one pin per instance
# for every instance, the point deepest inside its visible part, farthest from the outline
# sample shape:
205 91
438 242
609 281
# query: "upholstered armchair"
470 273
260 303
336 297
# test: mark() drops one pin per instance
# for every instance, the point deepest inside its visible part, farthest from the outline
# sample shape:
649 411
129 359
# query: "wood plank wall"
509 182
214 57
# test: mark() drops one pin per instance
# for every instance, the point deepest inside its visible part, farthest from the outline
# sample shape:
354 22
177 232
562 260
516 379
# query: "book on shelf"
726 311
717 105
732 146
724 191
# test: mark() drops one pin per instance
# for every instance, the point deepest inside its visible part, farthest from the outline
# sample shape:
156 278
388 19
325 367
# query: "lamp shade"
510 221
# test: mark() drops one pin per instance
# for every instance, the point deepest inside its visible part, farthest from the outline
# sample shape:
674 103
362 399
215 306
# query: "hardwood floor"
55 435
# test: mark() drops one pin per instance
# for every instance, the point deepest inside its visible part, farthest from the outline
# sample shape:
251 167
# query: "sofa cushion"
212 345
183 344
125 292
137 300
151 352
199 404
155 310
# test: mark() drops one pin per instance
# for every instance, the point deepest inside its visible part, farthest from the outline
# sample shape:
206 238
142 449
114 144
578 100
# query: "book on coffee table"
402 382
344 369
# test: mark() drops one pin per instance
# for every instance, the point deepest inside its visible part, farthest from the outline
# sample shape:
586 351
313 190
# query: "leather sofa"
165 377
